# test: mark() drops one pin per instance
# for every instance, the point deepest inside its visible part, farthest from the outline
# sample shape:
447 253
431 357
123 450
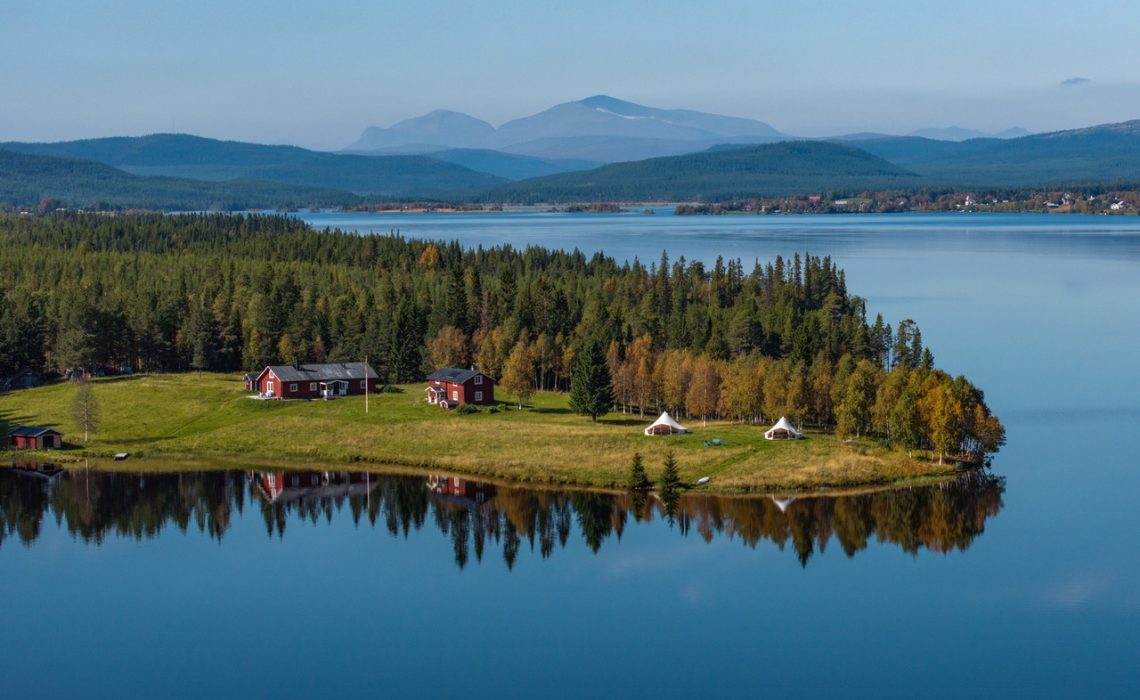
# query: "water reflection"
480 518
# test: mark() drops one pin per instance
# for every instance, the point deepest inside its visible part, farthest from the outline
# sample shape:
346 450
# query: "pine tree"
591 389
638 478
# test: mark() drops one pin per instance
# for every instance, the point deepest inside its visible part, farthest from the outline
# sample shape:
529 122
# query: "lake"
252 582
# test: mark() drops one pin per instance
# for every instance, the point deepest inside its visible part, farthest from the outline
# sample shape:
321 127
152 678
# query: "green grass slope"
208 416
768 170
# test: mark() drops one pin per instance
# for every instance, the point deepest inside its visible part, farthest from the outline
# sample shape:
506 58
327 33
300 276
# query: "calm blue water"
194 585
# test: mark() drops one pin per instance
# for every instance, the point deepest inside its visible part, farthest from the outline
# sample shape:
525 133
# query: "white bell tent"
782 430
665 425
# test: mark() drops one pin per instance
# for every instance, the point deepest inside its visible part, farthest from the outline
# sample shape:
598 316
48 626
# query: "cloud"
1075 81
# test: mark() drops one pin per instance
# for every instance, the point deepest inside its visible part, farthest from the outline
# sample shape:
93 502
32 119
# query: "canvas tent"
782 430
665 425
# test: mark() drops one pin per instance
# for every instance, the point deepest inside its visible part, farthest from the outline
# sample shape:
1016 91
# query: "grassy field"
208 416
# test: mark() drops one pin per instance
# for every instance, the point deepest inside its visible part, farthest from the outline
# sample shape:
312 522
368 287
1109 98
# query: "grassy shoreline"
208 417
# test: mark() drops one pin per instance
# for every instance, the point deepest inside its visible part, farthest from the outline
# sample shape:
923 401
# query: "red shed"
450 387
35 438
325 381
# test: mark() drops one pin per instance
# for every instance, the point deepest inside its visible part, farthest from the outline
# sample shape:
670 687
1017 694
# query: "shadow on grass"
630 421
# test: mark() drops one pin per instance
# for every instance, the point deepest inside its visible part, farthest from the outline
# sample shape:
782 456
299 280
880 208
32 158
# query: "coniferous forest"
749 341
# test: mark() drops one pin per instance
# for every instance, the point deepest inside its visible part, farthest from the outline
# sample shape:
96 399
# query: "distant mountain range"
957 133
597 148
584 130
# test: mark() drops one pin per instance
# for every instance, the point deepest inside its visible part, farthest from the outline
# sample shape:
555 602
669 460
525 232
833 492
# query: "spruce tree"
638 479
591 390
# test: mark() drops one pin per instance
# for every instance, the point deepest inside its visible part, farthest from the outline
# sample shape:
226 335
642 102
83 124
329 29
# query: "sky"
316 74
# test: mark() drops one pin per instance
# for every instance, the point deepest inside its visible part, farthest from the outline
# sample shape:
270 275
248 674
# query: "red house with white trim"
325 381
450 387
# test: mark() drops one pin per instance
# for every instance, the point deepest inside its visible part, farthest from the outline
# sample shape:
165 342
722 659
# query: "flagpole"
366 383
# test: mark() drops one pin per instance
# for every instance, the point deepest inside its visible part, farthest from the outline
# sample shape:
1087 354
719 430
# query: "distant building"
24 379
324 381
450 387
32 437
250 379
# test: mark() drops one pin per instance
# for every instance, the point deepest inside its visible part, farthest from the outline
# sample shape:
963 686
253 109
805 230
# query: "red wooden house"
326 381
450 387
35 438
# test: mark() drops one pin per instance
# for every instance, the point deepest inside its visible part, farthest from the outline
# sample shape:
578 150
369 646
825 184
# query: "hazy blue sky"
317 73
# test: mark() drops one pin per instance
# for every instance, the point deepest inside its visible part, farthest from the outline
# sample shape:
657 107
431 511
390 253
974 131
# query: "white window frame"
293 388
269 387
363 383
478 379
454 394
478 396
312 386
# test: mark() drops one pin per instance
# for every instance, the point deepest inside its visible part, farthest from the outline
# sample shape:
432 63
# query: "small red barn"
35 438
450 387
324 381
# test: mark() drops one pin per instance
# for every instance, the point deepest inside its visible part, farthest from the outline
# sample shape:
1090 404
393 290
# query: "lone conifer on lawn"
591 390
638 479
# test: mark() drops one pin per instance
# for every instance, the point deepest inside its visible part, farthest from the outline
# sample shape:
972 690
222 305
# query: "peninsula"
154 319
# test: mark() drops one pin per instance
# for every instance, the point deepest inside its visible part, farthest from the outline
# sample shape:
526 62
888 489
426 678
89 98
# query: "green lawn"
208 416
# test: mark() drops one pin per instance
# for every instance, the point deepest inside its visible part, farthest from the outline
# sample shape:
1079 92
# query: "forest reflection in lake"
483 521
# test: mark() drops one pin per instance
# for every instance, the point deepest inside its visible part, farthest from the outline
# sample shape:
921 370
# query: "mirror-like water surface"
220 583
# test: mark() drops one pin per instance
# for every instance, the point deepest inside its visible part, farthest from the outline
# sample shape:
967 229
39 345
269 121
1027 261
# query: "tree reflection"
479 517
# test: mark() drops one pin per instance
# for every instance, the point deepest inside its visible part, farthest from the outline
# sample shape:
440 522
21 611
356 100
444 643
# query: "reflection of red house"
457 488
35 438
284 486
450 387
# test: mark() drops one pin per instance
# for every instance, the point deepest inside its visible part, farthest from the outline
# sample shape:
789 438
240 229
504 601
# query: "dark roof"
451 374
249 375
322 373
33 431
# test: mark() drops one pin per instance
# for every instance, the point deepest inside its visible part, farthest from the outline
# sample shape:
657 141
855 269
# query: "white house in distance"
665 425
782 430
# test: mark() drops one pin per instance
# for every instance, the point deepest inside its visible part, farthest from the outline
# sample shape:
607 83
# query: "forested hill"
792 167
194 157
233 293
1095 154
27 180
